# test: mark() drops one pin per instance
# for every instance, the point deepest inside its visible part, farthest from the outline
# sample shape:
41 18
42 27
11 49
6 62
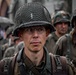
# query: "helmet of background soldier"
16 38
61 16
9 31
73 18
5 22
32 14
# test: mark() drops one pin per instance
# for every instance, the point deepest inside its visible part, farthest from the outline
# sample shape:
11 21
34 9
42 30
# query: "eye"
30 29
41 29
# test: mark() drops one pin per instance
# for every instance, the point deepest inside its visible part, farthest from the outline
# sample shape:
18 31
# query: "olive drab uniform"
59 17
50 42
9 52
54 66
65 47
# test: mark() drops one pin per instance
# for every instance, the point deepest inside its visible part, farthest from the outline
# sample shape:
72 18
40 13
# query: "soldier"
4 24
9 38
61 22
66 45
10 51
33 26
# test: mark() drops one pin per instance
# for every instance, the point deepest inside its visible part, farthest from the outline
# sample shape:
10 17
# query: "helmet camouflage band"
32 14
61 16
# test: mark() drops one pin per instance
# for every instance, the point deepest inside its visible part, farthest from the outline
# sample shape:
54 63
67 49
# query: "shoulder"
51 36
7 65
61 60
9 52
62 39
10 49
4 62
61 64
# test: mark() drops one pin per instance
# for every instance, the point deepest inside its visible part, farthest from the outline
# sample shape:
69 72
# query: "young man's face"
62 28
34 38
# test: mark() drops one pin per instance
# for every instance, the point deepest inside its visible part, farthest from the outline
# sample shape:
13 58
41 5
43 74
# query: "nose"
63 25
35 33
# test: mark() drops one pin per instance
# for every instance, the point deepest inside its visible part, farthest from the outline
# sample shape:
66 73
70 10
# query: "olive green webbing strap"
68 54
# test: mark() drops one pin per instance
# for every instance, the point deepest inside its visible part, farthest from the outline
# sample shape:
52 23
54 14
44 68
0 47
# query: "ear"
20 34
21 38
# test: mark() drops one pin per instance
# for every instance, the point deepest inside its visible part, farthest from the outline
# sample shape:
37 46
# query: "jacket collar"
48 65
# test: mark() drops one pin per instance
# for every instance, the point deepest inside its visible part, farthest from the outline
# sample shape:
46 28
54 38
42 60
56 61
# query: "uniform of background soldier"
4 24
66 45
61 23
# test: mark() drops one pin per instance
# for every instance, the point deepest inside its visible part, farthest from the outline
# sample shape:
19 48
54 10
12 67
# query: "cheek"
57 26
44 37
25 37
26 40
67 26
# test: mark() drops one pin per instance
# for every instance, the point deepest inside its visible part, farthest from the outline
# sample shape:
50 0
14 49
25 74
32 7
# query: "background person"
66 45
61 22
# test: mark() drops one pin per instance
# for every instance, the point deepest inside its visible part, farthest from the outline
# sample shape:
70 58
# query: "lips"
35 43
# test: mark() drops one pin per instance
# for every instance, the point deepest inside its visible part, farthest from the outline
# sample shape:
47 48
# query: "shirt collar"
46 60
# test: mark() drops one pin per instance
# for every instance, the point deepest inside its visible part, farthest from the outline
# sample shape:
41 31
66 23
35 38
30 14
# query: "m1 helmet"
73 18
32 14
61 16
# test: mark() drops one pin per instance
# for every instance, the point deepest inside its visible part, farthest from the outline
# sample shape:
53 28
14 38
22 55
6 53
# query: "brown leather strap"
13 64
53 62
63 61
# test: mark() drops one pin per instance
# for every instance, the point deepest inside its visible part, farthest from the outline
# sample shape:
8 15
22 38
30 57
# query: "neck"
35 57
59 35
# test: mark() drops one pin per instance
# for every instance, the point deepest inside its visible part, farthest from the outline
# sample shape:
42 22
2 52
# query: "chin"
36 49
